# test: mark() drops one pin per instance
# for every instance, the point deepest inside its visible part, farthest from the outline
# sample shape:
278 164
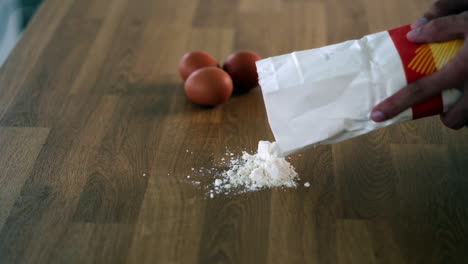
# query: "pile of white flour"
251 172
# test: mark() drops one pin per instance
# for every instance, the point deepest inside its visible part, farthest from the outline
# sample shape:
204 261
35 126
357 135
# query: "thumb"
441 29
457 116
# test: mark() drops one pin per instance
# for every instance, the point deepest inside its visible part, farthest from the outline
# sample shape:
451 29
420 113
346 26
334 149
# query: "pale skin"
445 20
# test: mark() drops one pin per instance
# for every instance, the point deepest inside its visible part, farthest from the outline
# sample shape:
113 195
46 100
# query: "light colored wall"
10 27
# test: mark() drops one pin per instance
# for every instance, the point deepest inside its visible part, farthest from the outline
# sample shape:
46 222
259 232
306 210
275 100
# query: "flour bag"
325 95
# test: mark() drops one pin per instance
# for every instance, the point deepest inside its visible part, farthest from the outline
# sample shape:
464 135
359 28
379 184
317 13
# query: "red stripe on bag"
433 106
408 52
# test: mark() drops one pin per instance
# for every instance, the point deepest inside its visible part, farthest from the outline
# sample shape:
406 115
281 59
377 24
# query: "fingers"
441 8
453 74
457 117
419 22
446 7
441 29
414 93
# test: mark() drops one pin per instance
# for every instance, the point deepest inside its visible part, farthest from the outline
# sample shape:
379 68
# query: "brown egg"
193 61
208 86
241 66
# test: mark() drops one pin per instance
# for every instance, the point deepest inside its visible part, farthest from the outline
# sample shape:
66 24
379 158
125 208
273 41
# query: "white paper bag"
325 95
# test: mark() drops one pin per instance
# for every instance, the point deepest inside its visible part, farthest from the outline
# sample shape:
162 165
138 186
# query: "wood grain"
23 146
303 22
367 192
411 132
89 72
354 242
172 205
384 242
232 221
303 228
26 54
87 239
97 139
219 13
261 6
430 199
55 183
124 155
216 41
348 18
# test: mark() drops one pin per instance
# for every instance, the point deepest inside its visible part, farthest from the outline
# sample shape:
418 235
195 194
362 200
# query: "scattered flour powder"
251 172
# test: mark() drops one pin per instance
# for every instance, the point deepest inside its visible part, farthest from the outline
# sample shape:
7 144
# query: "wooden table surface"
90 100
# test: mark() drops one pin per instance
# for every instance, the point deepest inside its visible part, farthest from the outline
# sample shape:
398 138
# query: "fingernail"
419 22
414 33
377 116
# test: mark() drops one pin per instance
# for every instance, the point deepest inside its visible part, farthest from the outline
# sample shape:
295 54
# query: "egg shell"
242 69
193 61
208 86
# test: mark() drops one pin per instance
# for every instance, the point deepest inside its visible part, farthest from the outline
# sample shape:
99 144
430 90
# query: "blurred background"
14 17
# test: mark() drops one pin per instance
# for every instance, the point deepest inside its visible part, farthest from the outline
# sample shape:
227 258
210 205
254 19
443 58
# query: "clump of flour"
251 172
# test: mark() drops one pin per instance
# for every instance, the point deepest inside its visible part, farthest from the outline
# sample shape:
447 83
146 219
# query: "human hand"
445 20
